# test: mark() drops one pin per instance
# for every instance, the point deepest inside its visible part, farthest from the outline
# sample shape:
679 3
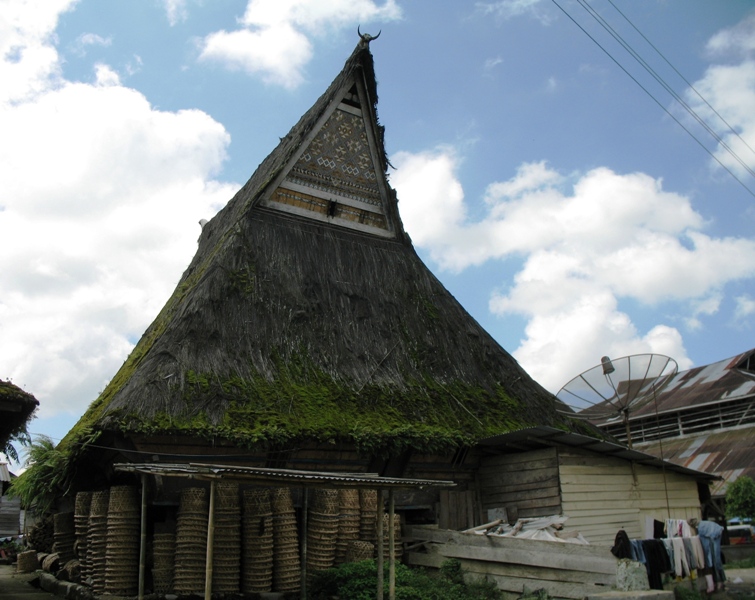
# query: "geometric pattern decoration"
324 207
338 160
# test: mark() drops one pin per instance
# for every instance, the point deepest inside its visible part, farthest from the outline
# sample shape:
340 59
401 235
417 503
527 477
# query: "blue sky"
560 202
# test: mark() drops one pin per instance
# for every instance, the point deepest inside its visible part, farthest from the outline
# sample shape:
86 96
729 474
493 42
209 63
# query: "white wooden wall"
601 494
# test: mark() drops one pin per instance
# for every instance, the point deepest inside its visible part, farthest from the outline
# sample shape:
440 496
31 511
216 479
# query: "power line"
684 79
658 102
595 15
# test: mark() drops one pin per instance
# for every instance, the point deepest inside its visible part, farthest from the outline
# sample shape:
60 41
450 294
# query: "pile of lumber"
563 570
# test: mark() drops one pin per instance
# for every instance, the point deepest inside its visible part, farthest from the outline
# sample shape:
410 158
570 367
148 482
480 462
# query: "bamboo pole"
210 544
379 533
391 547
143 538
304 516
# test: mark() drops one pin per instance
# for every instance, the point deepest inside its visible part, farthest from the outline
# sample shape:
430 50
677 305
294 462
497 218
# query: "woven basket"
124 499
326 502
63 523
368 500
226 495
98 507
348 499
257 502
359 550
26 562
82 503
281 501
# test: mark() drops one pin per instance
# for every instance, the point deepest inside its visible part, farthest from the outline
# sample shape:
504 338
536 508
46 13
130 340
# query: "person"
710 537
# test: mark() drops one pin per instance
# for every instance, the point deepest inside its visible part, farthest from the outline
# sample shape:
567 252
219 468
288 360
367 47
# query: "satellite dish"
610 391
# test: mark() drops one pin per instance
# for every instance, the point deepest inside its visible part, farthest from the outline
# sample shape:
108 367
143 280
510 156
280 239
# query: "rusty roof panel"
729 453
723 380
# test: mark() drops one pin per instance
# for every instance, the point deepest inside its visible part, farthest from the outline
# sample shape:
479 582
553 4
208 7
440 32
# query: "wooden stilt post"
143 538
304 516
379 532
210 544
391 548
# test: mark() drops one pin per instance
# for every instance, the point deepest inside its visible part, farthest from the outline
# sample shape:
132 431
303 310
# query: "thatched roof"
16 408
312 323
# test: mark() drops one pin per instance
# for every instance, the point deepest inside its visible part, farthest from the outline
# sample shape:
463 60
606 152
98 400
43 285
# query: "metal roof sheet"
729 453
266 476
709 384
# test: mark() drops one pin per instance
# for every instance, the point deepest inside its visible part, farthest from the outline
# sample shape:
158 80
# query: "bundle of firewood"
41 536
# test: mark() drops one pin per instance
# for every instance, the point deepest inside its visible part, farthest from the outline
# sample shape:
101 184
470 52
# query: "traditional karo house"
307 337
307 333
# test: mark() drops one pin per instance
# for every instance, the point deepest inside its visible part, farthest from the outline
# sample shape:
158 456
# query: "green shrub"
740 498
358 581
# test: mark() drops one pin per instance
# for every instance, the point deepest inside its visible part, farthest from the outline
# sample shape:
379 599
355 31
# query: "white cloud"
176 11
274 40
85 40
739 39
509 9
729 87
102 194
745 307
492 63
585 244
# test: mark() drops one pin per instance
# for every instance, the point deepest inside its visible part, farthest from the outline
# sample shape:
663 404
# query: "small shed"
600 485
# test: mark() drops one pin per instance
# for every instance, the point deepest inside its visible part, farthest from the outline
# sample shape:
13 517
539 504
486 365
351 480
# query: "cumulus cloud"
274 37
729 87
86 40
583 244
509 9
98 218
176 11
745 307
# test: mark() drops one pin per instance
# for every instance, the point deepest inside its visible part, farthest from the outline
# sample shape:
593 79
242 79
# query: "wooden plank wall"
458 510
10 514
526 484
601 494
568 571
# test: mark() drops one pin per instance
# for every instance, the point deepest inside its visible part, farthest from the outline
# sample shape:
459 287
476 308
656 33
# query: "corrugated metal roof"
728 453
538 437
267 476
713 383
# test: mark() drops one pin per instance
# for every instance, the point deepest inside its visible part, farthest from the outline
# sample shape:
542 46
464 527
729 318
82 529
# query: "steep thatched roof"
310 316
16 408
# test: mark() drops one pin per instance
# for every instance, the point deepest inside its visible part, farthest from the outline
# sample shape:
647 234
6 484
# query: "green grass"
358 581
745 563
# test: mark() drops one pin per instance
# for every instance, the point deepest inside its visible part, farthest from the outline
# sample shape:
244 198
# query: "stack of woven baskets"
368 506
191 542
348 522
397 545
322 530
97 540
82 506
123 538
64 536
257 569
286 561
163 561
359 550
226 562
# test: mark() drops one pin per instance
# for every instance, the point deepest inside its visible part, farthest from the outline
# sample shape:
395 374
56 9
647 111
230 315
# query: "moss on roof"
16 408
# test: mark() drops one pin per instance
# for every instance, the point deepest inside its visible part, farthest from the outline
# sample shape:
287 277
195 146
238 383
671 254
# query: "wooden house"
307 335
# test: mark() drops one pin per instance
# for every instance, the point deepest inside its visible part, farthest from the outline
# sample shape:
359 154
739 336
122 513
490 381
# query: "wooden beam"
210 544
143 538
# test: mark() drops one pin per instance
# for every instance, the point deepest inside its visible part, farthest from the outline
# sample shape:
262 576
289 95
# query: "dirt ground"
740 585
